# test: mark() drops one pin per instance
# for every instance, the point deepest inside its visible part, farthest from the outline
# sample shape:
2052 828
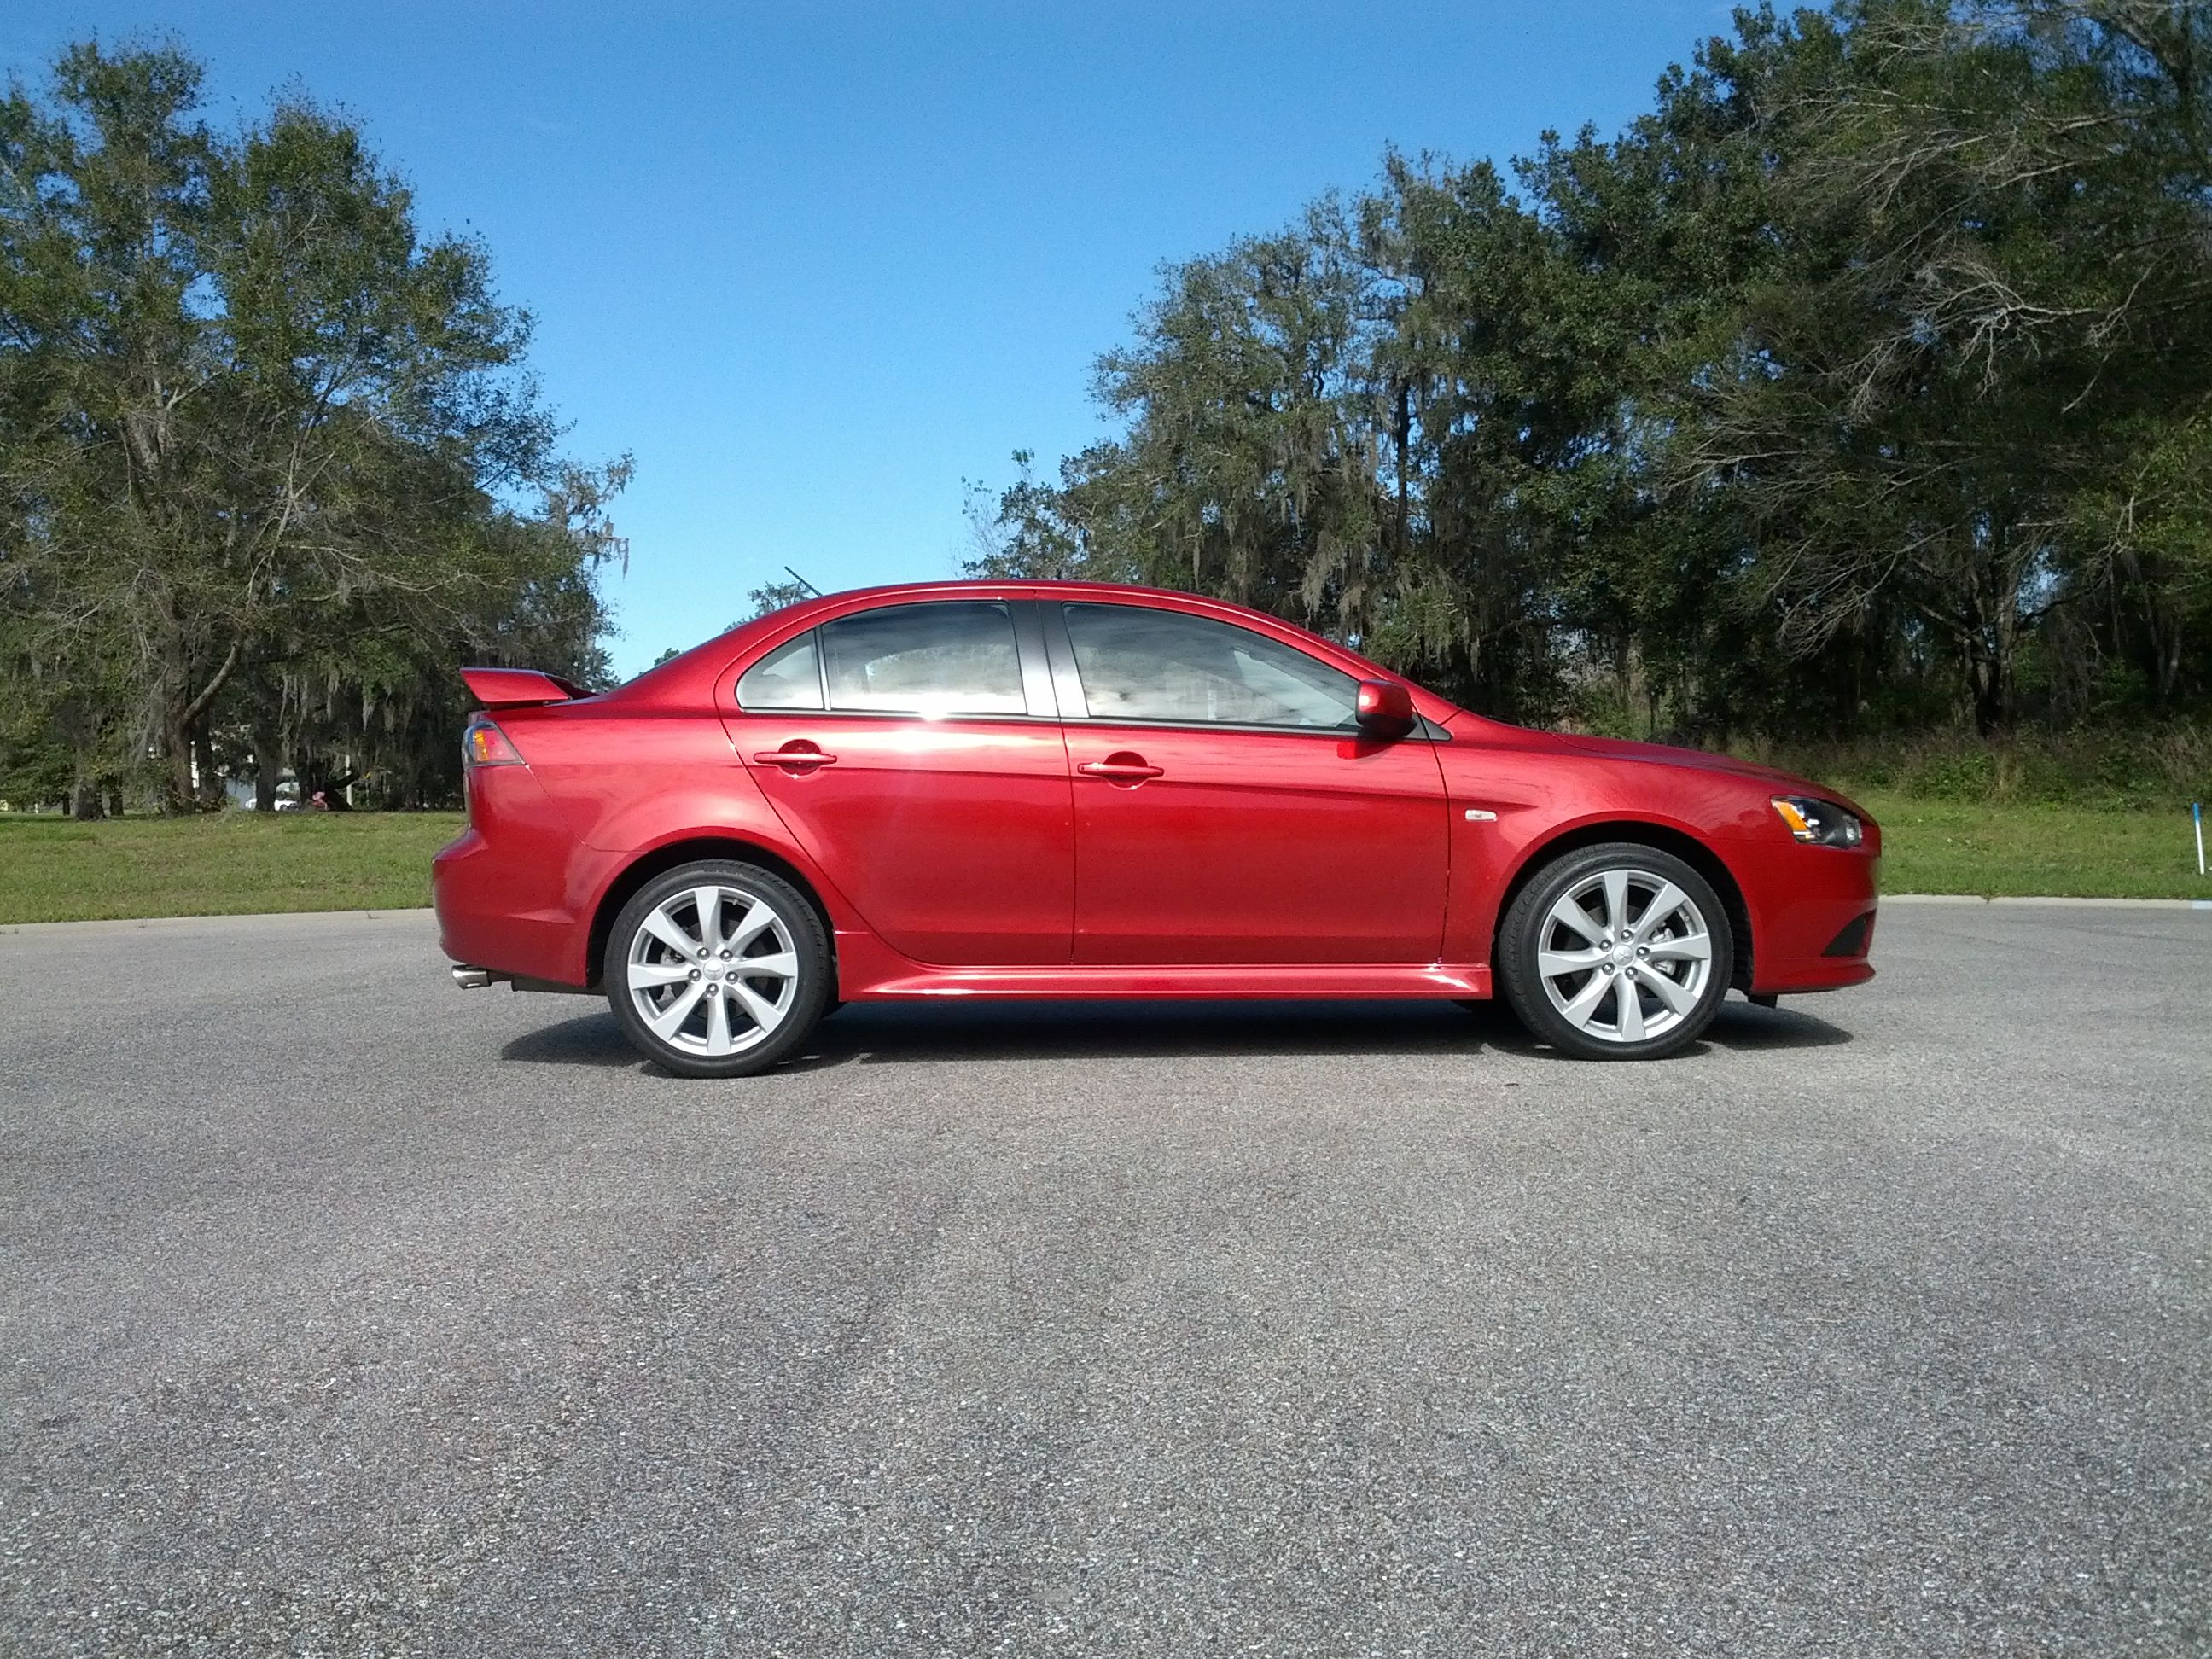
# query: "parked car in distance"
1042 789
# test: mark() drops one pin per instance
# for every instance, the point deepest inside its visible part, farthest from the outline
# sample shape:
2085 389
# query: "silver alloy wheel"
1624 956
712 970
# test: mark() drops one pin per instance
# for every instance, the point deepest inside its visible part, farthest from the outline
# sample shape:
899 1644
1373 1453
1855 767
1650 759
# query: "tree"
1980 274
259 433
770 597
1864 381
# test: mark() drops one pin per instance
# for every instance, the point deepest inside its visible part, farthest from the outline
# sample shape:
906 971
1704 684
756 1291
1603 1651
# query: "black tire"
790 930
1682 1008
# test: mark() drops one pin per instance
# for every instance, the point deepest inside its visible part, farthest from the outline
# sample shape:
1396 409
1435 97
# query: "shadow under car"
877 1033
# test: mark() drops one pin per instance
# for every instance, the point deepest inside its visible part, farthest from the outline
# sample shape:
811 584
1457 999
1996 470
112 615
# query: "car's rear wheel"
717 969
1618 952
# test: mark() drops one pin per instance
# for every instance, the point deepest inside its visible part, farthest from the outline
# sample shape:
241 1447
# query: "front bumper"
1813 921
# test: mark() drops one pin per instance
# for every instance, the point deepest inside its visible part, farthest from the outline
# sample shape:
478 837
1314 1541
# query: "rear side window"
958 658
787 678
1143 665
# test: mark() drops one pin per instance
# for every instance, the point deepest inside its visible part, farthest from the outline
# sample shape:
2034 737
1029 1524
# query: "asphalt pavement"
342 1313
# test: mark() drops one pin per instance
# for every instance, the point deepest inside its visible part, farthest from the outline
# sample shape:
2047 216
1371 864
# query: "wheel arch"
1697 854
691 849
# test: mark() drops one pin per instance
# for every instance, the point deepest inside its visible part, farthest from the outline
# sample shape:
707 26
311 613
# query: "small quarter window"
787 678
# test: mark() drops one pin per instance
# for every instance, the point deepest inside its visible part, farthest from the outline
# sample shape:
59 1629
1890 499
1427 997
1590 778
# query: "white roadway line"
2018 898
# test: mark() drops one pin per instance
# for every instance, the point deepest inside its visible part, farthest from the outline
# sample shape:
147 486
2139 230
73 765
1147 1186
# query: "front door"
909 753
1227 809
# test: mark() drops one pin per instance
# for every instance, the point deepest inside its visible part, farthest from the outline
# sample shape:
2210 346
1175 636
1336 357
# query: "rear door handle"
1124 767
797 756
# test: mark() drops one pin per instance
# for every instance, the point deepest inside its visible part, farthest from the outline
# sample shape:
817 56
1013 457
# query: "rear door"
1227 809
914 751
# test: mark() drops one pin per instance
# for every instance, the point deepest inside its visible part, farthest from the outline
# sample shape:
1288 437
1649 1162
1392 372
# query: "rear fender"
630 784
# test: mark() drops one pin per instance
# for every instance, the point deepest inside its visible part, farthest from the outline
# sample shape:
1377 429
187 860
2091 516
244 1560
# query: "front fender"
1513 806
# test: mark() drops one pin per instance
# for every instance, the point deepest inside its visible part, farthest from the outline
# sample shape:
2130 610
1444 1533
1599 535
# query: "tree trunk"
268 767
182 715
210 796
1988 684
1402 432
176 768
84 799
1986 629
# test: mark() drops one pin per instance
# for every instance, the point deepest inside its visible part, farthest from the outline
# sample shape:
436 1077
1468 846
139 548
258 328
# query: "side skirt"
870 972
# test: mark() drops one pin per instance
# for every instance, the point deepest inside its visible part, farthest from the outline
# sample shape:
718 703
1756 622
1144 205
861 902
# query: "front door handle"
1122 768
798 756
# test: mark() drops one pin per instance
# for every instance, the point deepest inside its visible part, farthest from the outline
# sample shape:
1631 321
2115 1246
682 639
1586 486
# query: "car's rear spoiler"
516 687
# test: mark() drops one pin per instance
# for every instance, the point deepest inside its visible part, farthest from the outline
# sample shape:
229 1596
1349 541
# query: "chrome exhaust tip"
471 979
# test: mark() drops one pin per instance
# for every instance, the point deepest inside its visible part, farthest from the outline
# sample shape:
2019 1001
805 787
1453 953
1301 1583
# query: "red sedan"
1046 789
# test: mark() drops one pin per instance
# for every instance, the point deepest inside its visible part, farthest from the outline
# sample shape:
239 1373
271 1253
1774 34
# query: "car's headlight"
1820 822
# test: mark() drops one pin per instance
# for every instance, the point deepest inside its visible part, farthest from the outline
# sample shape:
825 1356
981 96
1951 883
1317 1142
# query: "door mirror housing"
1386 708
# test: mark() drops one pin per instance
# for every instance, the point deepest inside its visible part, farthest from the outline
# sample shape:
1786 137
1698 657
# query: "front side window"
1143 664
935 660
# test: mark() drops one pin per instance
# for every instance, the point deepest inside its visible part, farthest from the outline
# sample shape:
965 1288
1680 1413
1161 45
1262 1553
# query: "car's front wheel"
717 969
1618 951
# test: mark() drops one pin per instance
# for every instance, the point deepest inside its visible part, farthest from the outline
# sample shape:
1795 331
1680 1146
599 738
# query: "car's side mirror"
1385 709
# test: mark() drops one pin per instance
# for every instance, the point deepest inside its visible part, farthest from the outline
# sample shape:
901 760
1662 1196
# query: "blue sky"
816 265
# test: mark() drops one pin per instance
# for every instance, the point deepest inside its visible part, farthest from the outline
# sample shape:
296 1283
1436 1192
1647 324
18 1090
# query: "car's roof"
1026 587
794 618
858 599
803 613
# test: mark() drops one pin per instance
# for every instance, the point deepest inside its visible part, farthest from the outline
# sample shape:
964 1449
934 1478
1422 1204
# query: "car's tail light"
484 744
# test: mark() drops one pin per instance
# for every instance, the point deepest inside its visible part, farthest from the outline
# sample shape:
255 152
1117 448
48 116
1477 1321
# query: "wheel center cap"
1624 956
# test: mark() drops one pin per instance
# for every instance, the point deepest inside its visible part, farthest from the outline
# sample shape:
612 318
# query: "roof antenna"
803 582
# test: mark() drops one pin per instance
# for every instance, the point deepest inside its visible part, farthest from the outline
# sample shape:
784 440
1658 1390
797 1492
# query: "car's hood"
1660 754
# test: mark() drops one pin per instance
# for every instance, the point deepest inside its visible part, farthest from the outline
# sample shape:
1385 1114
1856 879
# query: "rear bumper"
502 889
493 913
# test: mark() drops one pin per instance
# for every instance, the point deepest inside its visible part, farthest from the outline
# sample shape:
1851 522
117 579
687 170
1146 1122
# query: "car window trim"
1113 722
1068 681
906 715
736 674
1030 655
1052 685
1038 691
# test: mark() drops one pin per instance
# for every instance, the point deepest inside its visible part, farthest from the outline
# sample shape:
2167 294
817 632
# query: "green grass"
52 870
2077 852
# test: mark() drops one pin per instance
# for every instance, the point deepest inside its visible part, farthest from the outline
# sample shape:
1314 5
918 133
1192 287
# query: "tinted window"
785 678
1141 665
934 660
